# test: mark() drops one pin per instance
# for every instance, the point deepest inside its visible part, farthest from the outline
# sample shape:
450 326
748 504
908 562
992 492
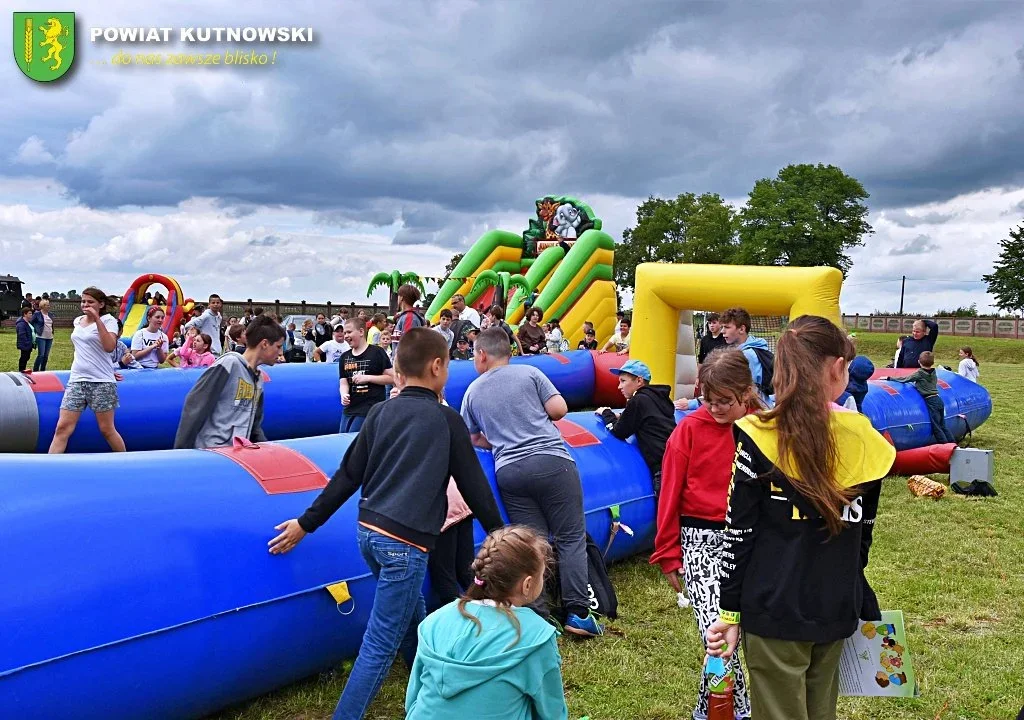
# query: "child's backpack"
767 360
603 600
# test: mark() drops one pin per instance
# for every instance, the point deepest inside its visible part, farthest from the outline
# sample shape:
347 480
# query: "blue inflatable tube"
899 410
140 586
300 400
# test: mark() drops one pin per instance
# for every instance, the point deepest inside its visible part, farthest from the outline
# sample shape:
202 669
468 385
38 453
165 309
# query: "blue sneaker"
584 627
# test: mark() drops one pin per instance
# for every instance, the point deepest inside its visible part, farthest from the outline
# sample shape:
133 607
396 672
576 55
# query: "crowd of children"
766 491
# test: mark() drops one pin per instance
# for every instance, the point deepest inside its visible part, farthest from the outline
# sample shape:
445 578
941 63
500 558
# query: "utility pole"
903 289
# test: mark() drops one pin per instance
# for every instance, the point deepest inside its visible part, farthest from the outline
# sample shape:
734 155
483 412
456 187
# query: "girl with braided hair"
489 649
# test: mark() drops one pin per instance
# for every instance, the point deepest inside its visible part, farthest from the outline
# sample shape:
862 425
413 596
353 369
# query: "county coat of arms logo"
44 43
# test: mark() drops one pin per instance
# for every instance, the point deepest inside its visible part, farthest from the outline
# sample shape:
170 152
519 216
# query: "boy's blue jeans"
398 609
936 410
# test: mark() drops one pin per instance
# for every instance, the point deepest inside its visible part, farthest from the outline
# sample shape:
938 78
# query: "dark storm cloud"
920 244
439 113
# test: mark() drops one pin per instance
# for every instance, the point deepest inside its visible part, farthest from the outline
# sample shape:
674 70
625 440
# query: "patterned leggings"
702 554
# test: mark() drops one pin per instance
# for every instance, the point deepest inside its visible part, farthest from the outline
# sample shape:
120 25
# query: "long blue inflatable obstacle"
139 585
301 400
897 409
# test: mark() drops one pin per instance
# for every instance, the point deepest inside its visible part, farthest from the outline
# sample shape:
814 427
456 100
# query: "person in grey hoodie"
736 329
227 401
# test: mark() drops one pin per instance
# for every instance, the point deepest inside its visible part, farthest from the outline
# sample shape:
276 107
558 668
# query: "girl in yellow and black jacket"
791 573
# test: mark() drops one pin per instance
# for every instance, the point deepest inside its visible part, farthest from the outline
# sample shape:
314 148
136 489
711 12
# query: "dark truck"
10 296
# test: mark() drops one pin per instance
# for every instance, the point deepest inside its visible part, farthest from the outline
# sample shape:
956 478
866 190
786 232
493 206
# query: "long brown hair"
802 414
507 555
966 350
726 372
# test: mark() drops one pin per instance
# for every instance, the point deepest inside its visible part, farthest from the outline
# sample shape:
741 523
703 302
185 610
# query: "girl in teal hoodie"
488 655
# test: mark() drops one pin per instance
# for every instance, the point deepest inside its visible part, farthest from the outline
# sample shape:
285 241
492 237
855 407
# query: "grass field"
955 567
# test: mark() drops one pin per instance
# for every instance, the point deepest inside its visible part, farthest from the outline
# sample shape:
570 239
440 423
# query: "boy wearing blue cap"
649 414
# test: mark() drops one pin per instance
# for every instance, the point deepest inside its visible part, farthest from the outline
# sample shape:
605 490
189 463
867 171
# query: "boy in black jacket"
649 414
403 473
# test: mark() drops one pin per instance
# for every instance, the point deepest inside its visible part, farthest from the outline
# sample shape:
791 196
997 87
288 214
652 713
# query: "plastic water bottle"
720 683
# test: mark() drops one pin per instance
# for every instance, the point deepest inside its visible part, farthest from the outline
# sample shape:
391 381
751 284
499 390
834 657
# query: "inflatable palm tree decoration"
392 281
504 282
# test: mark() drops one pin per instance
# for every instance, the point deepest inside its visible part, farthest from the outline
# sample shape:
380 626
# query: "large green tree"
1006 281
690 228
808 215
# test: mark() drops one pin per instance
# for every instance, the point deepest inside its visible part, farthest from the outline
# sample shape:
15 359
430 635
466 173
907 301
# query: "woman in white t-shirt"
92 383
150 344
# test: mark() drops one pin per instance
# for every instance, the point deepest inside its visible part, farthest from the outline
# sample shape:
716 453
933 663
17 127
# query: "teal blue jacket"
486 676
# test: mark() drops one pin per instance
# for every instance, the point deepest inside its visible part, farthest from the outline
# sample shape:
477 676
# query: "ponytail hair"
806 445
726 372
966 350
99 296
507 555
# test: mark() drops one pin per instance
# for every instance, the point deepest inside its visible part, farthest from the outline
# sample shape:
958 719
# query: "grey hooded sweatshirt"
226 402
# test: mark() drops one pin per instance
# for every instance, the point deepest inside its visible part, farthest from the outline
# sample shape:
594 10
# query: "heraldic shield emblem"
44 43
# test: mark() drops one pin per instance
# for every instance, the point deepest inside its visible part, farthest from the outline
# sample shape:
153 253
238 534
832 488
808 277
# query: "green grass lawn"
955 567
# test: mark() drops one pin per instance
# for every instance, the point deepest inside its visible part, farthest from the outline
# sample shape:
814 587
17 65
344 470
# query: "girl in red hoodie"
696 471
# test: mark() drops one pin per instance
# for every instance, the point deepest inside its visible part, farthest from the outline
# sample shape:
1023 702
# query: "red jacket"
695 475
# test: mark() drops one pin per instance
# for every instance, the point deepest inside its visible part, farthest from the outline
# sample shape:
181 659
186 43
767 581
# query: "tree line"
807 215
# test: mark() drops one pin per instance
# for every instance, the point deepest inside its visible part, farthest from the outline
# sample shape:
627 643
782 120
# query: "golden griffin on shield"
53 31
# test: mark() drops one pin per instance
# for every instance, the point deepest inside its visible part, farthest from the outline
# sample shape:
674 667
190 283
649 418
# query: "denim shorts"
100 396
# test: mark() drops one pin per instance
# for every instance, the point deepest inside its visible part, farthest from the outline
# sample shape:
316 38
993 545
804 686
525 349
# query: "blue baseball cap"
634 367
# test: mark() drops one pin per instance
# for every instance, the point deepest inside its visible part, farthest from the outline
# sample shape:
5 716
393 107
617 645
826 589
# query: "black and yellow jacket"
780 570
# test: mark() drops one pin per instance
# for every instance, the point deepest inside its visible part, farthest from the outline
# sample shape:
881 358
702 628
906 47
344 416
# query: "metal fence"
966 326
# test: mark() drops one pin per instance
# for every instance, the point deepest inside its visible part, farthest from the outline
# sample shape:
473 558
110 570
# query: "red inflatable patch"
278 469
576 436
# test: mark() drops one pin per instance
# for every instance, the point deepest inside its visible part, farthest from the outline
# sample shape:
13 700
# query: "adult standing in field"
209 322
42 323
511 410
92 383
464 311
150 344
922 339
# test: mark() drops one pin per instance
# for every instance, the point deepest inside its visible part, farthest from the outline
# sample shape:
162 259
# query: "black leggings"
449 564
23 360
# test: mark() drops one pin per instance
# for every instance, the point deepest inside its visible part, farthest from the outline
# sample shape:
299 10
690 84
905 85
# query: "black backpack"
600 590
767 360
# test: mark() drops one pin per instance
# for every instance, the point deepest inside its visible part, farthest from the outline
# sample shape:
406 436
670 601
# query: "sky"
407 129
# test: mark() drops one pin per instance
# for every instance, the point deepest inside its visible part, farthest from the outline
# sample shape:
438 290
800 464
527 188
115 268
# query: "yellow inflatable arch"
666 296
